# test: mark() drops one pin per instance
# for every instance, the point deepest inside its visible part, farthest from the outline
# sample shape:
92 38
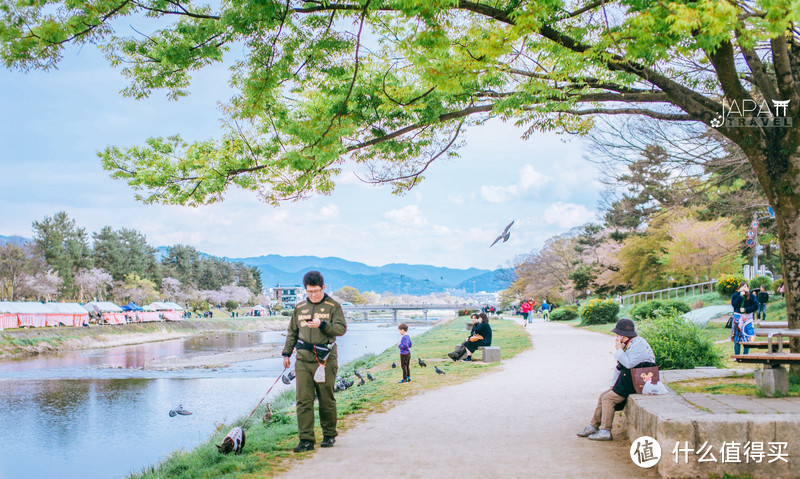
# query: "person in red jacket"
526 307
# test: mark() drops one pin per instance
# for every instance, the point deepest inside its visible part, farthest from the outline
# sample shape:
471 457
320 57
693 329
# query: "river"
99 414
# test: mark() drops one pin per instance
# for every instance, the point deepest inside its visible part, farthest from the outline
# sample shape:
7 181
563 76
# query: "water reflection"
71 416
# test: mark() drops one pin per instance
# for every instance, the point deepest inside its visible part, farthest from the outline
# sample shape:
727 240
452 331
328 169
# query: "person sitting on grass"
632 351
481 335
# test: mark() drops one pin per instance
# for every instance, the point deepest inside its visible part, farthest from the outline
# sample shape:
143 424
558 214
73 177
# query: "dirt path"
518 422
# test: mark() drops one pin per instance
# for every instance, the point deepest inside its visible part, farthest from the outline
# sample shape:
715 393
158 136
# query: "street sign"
754 224
771 211
750 241
751 234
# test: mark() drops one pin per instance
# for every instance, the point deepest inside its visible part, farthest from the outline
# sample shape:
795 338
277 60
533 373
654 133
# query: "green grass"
740 385
268 448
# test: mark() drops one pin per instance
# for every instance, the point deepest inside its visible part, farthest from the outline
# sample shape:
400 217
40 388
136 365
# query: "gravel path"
517 422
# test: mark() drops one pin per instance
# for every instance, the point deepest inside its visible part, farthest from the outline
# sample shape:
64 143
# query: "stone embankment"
712 434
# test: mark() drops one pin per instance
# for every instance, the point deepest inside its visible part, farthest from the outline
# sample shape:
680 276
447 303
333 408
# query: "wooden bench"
762 344
490 354
773 378
771 324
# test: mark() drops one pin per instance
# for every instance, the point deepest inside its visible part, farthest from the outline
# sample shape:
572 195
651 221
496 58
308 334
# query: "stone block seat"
490 354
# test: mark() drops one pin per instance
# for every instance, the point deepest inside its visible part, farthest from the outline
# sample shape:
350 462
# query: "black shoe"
327 441
304 445
468 358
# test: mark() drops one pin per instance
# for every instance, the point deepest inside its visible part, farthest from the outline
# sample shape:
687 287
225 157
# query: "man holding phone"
315 324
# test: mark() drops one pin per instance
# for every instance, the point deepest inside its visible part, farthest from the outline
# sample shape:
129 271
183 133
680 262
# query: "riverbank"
20 343
269 445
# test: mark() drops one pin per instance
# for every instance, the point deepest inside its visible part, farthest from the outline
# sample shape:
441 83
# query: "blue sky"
54 123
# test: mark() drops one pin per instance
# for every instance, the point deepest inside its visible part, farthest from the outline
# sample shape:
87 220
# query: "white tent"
103 307
164 306
35 314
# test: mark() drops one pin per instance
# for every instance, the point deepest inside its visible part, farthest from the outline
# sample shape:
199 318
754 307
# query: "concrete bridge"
394 308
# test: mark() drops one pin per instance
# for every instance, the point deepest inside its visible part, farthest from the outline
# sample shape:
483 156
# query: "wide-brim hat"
625 328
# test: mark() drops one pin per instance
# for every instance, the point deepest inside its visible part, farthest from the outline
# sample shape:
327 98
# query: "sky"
54 123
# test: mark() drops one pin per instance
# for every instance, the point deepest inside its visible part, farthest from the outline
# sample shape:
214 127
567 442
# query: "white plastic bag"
319 374
657 388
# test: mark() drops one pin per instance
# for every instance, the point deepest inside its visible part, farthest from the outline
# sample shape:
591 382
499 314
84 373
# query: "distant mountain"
397 278
394 278
17 240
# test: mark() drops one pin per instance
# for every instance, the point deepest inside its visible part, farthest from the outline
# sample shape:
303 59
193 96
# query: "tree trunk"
785 199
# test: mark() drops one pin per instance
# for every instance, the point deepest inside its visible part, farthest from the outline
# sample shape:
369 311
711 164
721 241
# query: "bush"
698 304
566 313
599 311
776 284
286 312
678 343
727 284
651 308
759 281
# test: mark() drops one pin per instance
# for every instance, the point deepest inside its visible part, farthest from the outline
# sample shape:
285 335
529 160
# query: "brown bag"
642 375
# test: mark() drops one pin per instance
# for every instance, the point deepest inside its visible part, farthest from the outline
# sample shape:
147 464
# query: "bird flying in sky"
504 235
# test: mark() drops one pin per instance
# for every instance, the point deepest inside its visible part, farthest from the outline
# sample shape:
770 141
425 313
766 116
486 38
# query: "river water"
97 414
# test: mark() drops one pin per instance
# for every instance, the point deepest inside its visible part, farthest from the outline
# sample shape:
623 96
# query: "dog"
234 441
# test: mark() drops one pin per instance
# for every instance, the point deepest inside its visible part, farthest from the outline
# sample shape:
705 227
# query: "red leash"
265 397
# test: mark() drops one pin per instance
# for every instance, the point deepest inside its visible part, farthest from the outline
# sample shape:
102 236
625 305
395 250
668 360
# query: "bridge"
394 308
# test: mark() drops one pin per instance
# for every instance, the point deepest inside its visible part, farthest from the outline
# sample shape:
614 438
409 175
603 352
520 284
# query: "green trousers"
306 387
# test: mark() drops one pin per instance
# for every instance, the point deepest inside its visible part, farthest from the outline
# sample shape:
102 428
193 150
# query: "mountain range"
397 278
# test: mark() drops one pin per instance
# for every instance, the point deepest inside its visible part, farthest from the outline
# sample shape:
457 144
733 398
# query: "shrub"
599 311
727 284
776 284
651 308
286 312
759 281
698 304
678 343
564 314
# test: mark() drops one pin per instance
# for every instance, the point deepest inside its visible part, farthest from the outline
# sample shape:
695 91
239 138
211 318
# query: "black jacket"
738 302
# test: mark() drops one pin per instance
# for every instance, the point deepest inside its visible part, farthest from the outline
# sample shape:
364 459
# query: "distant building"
287 294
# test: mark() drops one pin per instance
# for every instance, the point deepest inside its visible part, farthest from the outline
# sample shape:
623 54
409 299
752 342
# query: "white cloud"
527 178
330 211
407 216
568 215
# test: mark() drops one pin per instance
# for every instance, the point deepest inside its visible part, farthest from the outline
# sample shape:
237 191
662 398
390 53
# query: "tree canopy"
391 84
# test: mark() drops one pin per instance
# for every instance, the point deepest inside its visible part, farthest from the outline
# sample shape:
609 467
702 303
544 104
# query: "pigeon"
438 371
394 365
348 384
362 382
503 236
422 363
358 374
268 414
370 377
179 410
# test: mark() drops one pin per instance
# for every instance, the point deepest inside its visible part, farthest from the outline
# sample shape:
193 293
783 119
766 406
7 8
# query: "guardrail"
634 298
394 308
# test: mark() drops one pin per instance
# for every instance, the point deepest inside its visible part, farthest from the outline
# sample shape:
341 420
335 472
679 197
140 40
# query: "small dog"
234 441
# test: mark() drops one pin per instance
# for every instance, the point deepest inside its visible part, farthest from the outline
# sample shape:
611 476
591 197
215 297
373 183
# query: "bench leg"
773 380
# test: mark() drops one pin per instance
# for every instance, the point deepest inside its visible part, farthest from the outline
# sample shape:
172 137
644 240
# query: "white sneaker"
602 435
588 431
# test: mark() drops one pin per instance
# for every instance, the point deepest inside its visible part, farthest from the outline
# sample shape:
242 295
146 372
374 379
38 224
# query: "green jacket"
332 324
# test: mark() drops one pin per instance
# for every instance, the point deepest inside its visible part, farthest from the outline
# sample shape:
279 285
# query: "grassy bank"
268 447
17 343
776 311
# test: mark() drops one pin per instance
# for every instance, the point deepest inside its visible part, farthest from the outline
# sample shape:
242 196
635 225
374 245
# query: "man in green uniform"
313 329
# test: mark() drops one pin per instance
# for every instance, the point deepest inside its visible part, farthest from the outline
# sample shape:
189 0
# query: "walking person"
313 328
744 305
545 310
526 307
763 299
405 353
632 351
